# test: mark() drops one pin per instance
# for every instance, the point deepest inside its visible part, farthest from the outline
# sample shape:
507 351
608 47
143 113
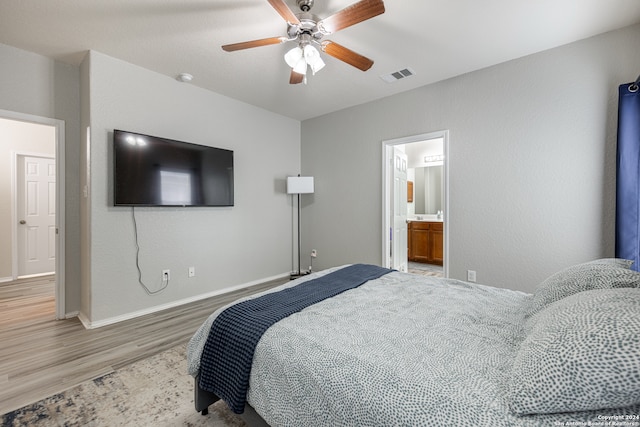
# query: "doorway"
25 143
419 150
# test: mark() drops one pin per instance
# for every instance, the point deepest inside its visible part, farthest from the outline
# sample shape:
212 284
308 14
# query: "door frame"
60 205
386 191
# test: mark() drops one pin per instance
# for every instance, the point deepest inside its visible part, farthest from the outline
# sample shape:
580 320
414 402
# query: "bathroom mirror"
428 190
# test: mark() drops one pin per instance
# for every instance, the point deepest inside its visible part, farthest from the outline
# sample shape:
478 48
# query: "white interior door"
36 179
399 214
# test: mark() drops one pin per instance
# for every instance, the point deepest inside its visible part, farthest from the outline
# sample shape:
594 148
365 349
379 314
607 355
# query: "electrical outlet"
471 275
314 253
166 275
192 271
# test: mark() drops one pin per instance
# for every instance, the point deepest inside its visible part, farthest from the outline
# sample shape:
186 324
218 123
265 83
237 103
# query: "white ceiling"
437 39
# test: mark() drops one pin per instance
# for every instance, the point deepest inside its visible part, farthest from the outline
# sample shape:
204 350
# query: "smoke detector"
184 77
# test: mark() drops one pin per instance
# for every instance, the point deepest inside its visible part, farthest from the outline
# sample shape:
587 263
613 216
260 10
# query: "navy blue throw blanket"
226 360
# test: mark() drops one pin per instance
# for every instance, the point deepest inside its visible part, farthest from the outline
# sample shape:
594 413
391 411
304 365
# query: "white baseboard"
31 276
28 276
83 319
88 324
71 314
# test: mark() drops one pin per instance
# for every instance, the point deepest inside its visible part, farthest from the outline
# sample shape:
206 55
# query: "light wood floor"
40 356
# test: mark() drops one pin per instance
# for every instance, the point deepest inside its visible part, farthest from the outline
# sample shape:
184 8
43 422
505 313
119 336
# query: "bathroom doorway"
427 194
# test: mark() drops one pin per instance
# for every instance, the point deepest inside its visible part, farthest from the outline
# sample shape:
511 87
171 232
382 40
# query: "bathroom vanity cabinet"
425 241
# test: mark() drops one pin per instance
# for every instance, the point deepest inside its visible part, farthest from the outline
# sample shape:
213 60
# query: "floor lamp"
299 185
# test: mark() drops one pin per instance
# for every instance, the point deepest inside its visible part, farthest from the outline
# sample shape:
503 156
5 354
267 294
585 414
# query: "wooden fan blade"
281 7
254 43
346 55
295 78
351 15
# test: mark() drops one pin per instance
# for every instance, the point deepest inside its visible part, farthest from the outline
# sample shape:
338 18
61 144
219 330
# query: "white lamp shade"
295 59
299 184
317 65
301 67
312 56
293 56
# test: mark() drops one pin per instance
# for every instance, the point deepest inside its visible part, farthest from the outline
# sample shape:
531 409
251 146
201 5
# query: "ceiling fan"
308 31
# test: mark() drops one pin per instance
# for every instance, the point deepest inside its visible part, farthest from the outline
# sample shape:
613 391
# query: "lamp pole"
299 185
299 211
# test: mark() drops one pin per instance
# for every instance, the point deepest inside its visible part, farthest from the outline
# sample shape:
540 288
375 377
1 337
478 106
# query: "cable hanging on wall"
165 280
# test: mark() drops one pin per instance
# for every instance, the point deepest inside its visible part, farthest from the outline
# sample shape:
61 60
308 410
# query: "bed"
403 349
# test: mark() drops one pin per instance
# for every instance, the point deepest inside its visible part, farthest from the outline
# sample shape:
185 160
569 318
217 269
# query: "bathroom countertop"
425 218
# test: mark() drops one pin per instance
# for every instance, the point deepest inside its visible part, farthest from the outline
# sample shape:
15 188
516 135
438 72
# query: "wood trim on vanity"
426 242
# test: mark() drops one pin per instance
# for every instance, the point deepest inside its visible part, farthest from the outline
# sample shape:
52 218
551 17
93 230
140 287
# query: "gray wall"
35 85
531 163
532 171
228 246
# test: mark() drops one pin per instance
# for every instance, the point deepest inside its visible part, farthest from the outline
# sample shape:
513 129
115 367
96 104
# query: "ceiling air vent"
394 77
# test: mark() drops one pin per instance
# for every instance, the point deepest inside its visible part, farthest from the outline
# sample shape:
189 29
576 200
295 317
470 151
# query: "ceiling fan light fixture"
312 56
317 65
293 56
299 57
301 66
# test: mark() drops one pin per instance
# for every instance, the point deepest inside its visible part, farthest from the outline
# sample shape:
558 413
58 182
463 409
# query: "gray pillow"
582 353
603 273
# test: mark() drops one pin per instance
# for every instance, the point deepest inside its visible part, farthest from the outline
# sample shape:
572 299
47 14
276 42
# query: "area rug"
152 392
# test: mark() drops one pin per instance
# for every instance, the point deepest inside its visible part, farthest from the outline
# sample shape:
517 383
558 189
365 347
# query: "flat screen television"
153 171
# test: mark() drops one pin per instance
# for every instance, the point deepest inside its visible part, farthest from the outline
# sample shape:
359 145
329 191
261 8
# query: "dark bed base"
203 399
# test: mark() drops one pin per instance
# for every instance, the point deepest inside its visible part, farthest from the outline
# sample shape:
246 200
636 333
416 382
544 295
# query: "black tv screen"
153 171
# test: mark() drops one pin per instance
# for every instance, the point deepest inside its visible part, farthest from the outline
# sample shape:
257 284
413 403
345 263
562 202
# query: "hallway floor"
426 269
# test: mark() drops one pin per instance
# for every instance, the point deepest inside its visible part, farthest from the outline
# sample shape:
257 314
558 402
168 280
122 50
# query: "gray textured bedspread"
227 357
402 350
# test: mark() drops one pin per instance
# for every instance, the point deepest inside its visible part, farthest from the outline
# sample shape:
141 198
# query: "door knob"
22 221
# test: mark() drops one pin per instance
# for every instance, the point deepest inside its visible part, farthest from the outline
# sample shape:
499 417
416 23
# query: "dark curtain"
628 175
